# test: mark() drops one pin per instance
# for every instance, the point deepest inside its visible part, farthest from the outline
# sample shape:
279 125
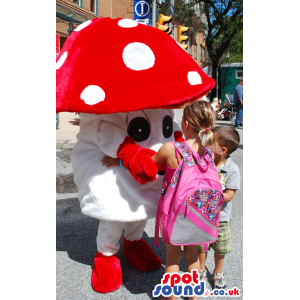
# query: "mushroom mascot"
124 78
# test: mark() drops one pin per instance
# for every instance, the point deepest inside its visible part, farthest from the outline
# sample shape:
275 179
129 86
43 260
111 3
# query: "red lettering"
230 292
236 292
175 278
166 278
186 278
195 275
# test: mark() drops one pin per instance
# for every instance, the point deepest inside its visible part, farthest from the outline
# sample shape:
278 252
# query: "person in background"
215 104
220 114
238 102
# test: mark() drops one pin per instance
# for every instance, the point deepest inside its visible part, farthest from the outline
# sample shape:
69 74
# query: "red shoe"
107 273
140 255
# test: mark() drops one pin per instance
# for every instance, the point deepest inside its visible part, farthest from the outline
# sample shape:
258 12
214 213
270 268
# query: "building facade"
71 13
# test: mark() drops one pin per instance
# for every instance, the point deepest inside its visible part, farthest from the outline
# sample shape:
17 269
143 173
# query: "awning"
70 15
207 71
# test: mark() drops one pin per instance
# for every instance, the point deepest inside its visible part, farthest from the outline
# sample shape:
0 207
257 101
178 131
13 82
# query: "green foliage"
236 48
222 23
185 13
163 7
236 58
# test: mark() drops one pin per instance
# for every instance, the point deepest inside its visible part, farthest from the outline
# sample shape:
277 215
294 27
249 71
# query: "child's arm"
228 194
165 151
232 184
110 162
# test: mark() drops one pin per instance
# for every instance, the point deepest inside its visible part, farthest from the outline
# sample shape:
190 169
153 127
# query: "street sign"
142 11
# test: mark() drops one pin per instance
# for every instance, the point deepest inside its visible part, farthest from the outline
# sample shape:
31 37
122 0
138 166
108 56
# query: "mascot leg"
107 273
136 250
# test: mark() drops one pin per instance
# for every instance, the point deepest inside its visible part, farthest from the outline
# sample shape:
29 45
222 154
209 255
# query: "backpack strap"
186 151
158 211
209 155
176 155
158 215
181 148
205 247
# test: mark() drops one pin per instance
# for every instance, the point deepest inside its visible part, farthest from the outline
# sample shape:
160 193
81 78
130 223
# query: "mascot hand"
178 136
137 161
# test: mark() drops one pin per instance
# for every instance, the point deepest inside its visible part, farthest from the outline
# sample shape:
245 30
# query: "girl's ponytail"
201 118
208 135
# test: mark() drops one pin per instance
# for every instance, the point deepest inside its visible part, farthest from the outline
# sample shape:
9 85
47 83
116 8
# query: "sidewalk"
69 127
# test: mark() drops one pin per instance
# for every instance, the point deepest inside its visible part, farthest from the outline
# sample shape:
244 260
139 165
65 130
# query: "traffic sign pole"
153 13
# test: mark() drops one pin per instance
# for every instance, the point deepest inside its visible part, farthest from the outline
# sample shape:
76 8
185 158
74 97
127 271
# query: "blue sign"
142 11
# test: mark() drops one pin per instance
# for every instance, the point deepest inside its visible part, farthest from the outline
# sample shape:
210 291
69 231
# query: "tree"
163 7
236 48
219 20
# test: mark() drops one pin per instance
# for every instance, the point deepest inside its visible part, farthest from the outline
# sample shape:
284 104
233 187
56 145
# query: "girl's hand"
110 162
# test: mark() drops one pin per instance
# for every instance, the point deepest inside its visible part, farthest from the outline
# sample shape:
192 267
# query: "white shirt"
214 106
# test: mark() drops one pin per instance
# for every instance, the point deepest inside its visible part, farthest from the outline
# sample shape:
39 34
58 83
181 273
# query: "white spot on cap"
81 26
127 23
61 60
138 56
92 94
194 78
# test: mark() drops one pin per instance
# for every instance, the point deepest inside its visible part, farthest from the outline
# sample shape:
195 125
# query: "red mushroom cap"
118 65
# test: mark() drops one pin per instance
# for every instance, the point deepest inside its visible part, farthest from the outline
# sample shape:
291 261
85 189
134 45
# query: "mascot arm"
137 160
178 136
111 137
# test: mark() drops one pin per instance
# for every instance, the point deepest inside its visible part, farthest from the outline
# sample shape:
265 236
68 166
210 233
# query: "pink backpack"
189 208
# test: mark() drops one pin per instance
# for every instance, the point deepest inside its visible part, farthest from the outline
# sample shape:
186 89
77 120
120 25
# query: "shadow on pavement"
225 124
76 235
76 122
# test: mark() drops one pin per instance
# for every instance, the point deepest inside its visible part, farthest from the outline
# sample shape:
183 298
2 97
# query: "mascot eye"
167 126
139 129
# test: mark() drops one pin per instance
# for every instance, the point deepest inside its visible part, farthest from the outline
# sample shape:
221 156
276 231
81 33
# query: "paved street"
76 243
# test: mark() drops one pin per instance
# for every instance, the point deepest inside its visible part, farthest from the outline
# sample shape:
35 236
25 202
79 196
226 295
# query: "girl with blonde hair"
197 121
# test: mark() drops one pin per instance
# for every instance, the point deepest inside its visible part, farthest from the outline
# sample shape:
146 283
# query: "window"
61 42
77 2
93 6
200 52
239 74
197 9
190 45
195 54
202 56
